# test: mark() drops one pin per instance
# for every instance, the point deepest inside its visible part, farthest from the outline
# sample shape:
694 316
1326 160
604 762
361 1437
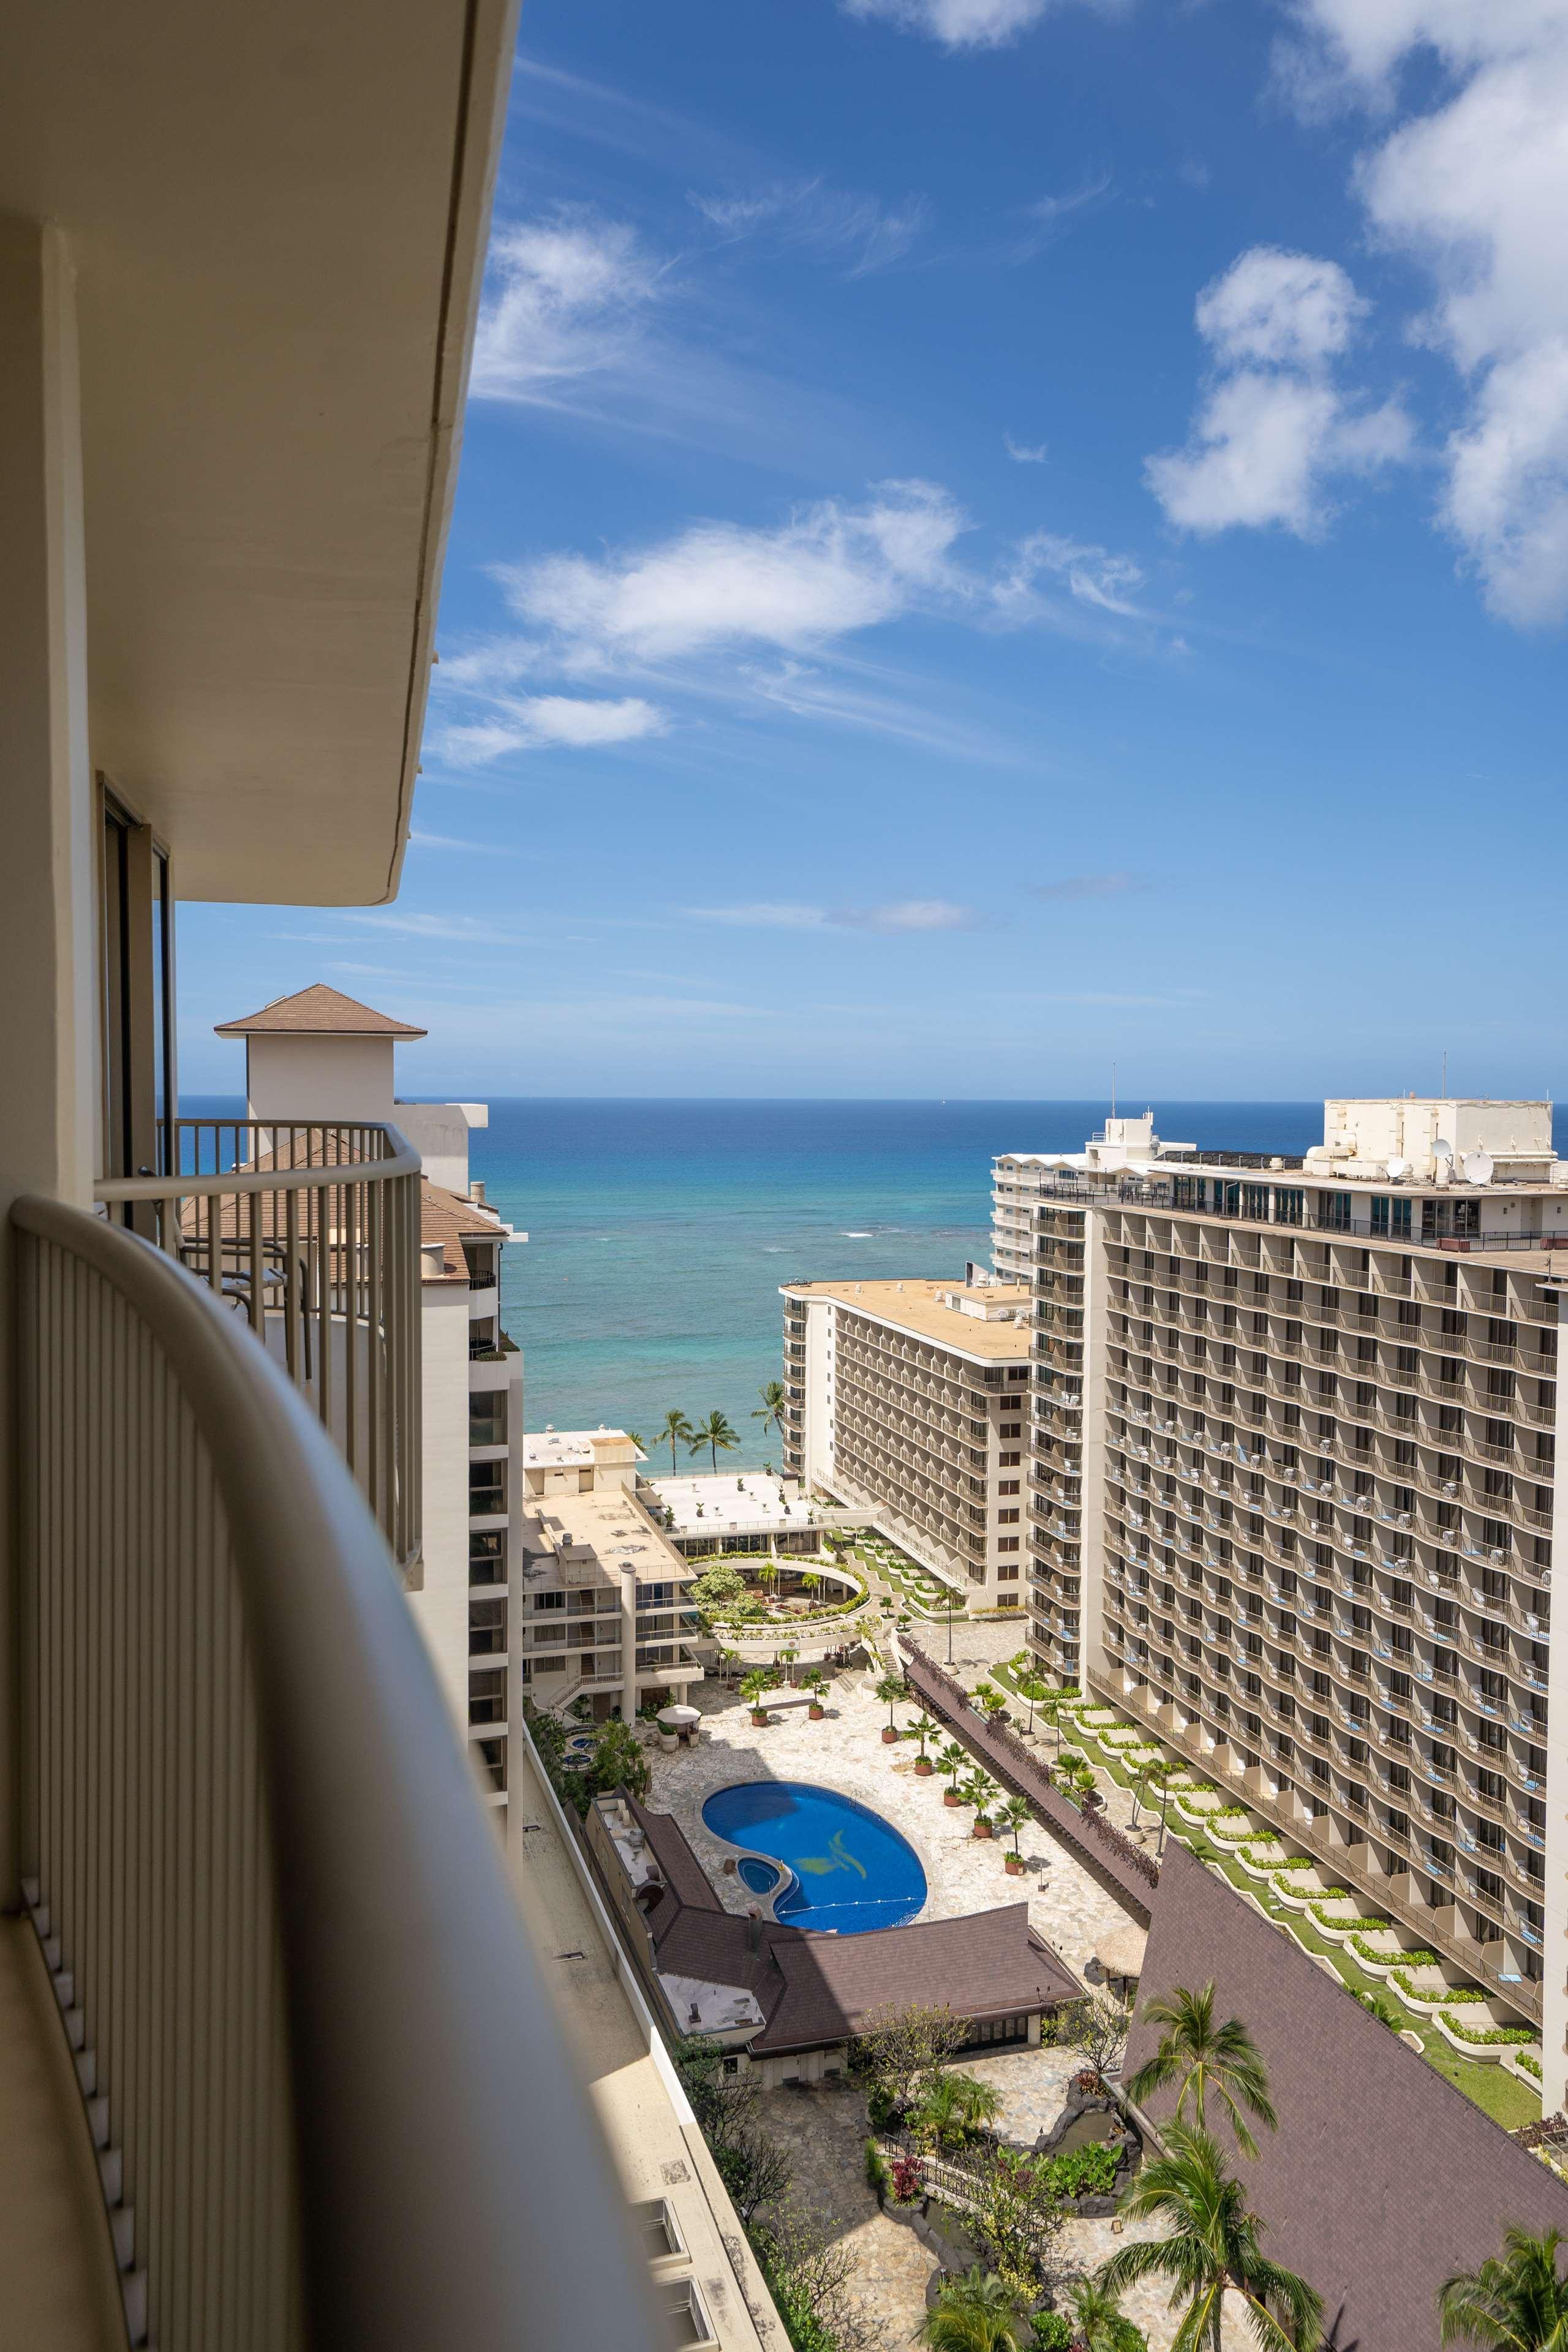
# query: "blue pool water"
852 1869
762 1877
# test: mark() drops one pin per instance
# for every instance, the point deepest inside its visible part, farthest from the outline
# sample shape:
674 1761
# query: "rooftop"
741 1499
599 1534
576 1449
317 1011
965 1319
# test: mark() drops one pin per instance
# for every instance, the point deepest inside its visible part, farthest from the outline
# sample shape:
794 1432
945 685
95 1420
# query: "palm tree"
923 1728
890 1690
1378 2005
715 1434
1034 1690
1098 2323
1212 2243
972 2313
1514 2303
952 2106
1205 2056
1015 1814
771 1410
635 1440
952 1760
979 1788
676 1430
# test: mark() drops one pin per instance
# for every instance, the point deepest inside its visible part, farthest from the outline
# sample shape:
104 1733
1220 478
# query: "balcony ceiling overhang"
279 216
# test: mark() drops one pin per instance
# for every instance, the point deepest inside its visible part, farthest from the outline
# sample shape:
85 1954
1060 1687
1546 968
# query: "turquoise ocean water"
659 1232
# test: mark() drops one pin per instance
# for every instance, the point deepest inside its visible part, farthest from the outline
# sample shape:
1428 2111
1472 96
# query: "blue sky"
994 537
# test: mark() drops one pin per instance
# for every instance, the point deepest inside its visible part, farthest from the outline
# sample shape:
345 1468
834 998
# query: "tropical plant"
1213 2242
952 1759
951 2106
901 2046
923 1728
676 1430
1098 2026
1013 1813
980 1791
1034 1690
809 2274
755 1686
715 1434
1015 2212
1098 2322
975 2313
1378 2005
1205 2056
1514 2303
635 1440
618 1762
771 1410
891 1690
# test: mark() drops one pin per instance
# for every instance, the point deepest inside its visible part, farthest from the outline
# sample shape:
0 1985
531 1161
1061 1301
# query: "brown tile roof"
1382 2178
815 1990
317 1011
447 1217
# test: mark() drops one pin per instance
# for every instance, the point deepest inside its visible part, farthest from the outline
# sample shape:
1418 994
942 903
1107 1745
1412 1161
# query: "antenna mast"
1445 1074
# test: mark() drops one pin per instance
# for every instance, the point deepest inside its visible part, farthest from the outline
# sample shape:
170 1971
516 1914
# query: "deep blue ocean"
659 1232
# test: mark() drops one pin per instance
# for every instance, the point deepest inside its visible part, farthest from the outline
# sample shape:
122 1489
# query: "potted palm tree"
981 1790
1014 1813
994 1703
954 1759
754 1691
890 1690
816 1684
923 1729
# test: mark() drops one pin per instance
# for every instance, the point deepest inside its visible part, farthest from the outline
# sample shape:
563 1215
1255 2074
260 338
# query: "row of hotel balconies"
1395 1271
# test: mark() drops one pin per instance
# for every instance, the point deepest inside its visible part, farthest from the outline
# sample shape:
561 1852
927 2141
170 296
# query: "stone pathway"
824 2127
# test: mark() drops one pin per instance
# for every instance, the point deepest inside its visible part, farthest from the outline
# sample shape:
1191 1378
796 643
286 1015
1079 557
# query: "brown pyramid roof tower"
318 1011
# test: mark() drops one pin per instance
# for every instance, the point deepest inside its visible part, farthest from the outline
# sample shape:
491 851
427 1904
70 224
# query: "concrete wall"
319 1077
440 1133
1554 1893
441 1607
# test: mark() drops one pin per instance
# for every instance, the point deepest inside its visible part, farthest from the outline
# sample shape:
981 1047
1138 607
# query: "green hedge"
1463 2033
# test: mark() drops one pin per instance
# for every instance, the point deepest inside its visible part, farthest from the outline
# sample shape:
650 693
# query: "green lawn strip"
1493 2089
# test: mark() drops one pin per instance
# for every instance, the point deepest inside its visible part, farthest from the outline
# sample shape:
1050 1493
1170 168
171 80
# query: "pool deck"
845 1751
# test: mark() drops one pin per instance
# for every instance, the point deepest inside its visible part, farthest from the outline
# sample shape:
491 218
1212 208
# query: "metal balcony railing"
310 1234
323 2070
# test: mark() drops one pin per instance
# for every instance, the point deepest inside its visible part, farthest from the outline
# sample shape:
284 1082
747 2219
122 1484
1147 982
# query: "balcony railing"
309 1233
321 2066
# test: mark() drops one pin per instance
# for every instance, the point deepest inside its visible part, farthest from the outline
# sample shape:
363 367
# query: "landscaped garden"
751 1590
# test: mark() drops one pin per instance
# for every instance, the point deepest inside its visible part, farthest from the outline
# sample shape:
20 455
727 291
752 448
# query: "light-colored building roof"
317 1011
921 1308
575 1449
598 1533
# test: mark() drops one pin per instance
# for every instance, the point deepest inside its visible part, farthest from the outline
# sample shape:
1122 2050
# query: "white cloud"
789 915
957 24
1475 188
1086 886
462 930
540 720
566 293
447 841
858 230
1025 453
1092 574
1274 429
827 570
1278 310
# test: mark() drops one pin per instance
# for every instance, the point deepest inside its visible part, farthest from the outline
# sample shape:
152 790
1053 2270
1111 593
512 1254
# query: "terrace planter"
951 1797
924 1768
888 1736
983 1829
759 1717
813 1714
1014 1864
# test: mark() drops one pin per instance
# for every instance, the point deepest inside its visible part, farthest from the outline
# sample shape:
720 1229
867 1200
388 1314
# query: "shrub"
1361 1945
1085 2172
908 2181
876 2170
881 2107
1497 2033
1530 2066
1052 2333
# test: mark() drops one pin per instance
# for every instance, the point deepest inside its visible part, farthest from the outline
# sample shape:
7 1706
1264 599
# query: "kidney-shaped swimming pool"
851 1869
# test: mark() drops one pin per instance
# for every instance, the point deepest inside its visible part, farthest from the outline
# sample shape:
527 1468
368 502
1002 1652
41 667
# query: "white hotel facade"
1293 1495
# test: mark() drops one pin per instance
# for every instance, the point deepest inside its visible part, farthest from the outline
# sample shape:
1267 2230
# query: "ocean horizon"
659 1228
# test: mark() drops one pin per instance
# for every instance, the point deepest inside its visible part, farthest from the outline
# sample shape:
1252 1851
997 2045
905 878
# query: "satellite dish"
1443 1148
1480 1166
1398 1168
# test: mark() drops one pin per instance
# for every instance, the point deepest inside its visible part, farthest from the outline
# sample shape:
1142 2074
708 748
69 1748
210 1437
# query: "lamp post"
1164 1809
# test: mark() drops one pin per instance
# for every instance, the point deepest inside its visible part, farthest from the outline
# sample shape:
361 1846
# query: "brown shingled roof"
816 1989
317 1011
1383 2178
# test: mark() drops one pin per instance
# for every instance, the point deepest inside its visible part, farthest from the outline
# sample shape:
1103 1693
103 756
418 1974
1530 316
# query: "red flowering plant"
908 2181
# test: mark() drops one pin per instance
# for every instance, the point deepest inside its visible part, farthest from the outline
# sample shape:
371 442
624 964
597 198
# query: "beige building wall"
440 1605
319 1077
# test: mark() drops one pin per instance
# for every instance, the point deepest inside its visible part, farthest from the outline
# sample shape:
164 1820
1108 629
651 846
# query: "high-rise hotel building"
1291 1494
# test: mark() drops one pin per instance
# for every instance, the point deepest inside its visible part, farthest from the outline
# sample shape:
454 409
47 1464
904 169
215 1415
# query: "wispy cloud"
1050 219
549 720
791 915
960 24
447 841
566 296
1087 885
1025 453
458 931
1276 428
1091 575
860 232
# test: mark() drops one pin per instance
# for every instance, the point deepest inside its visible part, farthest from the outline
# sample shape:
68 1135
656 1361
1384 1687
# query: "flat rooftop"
972 1326
575 1449
599 1534
748 1498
